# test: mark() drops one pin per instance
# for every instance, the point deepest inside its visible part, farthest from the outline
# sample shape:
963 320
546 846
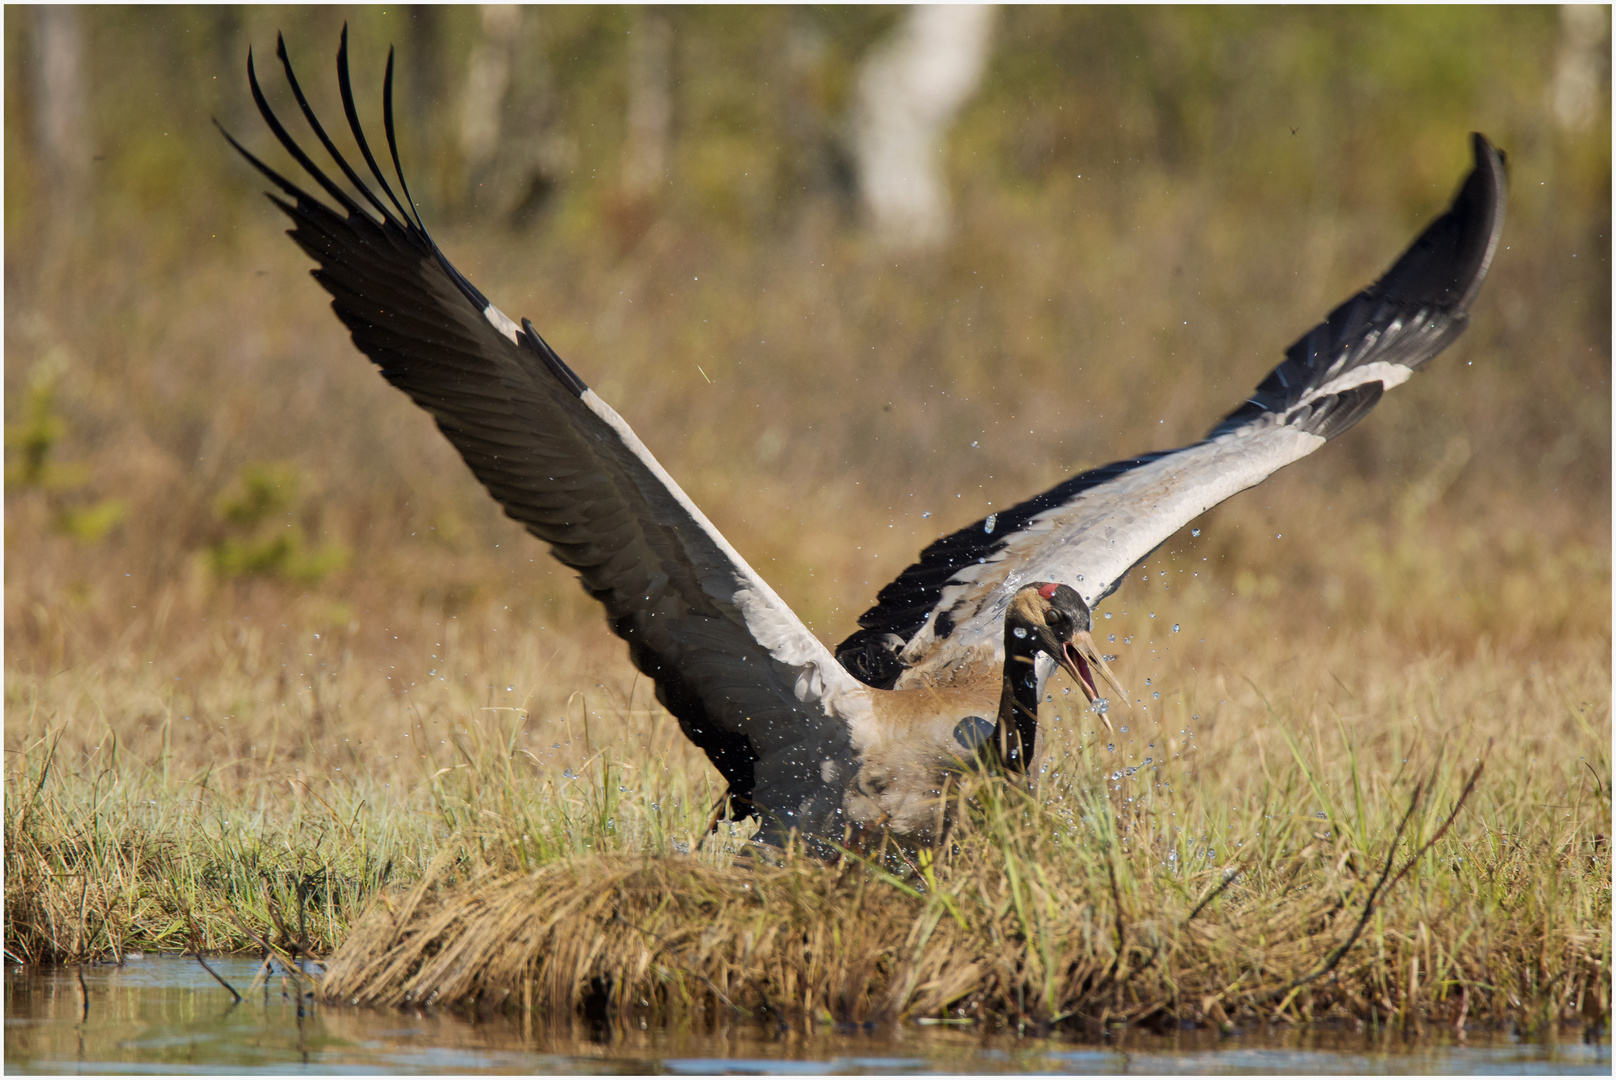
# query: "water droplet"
1019 631
1130 770
1147 682
1195 532
1111 638
1109 658
1157 694
1108 614
1321 815
1125 729
568 774
1111 748
1101 706
973 442
927 514
1148 760
1152 614
509 689
993 519
1175 628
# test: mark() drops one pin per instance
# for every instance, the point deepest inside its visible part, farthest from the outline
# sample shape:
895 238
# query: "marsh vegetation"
278 675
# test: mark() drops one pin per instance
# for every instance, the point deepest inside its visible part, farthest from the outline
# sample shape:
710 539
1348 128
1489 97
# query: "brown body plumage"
928 733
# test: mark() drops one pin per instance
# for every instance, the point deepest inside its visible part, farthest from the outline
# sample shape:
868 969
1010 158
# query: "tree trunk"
60 132
910 89
1581 65
650 104
512 153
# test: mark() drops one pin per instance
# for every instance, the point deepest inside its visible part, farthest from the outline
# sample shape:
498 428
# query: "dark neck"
1017 729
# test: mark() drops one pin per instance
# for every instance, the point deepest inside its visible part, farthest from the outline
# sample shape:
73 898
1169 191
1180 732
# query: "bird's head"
1053 619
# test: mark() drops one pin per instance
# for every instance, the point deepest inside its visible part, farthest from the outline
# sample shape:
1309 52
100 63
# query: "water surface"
168 1015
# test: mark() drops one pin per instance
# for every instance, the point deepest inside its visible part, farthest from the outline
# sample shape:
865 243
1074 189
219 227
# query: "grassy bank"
1037 917
108 853
1302 848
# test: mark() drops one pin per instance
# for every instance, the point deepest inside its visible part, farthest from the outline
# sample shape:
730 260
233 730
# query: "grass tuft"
1031 918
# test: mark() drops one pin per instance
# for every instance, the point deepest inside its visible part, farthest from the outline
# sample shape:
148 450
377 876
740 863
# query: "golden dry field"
271 651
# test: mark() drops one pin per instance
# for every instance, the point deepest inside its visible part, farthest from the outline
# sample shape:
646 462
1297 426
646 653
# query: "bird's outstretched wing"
946 610
747 681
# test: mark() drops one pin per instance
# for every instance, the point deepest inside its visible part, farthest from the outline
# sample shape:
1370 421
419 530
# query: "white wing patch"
502 322
1382 371
771 623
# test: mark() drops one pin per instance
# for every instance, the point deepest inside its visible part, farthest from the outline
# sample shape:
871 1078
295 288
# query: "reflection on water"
166 1014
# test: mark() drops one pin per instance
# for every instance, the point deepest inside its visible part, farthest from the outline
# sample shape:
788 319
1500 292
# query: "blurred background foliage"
1149 205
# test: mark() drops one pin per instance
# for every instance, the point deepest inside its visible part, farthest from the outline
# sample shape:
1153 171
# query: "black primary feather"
424 324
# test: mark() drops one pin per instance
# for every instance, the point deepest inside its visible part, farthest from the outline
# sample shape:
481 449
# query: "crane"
947 668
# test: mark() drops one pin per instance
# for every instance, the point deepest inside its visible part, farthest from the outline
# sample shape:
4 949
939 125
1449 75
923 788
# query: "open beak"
1082 662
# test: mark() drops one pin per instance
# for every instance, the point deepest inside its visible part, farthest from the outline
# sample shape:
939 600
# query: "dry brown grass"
549 831
1437 895
1298 785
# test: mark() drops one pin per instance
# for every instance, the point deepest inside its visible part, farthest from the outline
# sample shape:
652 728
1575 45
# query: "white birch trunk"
61 135
910 89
